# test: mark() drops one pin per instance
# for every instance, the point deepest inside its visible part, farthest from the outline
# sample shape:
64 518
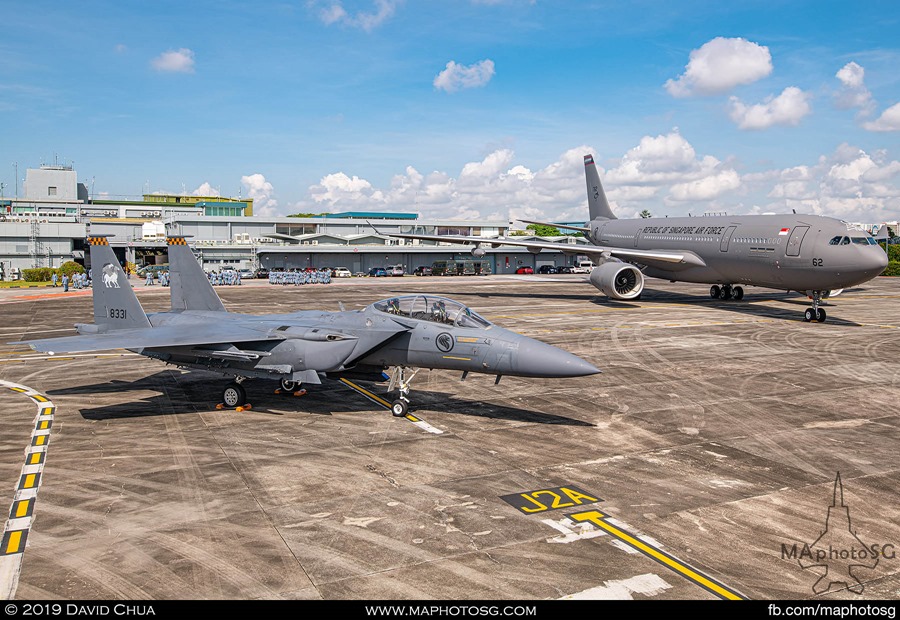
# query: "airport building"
49 225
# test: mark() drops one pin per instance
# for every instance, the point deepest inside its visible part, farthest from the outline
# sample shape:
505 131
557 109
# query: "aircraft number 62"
817 262
117 313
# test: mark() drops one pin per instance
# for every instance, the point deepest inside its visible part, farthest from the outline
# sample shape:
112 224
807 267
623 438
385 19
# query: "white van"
583 266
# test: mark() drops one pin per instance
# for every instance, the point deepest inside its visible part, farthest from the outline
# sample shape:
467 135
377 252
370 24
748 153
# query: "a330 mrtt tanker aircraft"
812 254
403 333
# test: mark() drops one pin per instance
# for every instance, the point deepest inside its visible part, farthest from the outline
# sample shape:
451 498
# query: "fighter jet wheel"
809 315
399 408
289 386
820 315
714 291
234 395
738 292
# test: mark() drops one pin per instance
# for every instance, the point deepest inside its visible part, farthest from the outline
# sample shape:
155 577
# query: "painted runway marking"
15 531
378 400
666 559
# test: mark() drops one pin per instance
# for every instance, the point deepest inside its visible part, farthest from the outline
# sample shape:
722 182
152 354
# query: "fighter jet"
404 333
815 255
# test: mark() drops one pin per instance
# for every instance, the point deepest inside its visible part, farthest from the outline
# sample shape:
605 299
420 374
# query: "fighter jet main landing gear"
234 395
815 313
726 291
292 387
400 406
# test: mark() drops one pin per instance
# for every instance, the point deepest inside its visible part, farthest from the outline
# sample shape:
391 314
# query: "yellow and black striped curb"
15 532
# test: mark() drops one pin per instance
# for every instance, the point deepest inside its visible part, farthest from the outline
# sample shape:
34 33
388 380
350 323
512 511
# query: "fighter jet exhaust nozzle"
618 280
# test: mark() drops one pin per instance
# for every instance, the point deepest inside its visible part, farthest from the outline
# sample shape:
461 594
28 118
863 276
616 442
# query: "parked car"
564 269
341 272
422 270
377 272
525 269
245 274
547 269
397 270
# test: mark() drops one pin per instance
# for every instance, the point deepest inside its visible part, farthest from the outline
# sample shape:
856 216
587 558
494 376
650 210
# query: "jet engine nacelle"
618 280
478 251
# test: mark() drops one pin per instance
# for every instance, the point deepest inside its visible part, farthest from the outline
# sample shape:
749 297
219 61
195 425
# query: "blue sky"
464 109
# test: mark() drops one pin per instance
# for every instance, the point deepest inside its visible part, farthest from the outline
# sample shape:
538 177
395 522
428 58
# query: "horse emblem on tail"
110 276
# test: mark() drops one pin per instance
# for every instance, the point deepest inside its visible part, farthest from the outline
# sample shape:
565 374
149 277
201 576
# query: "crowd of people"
225 277
297 278
78 280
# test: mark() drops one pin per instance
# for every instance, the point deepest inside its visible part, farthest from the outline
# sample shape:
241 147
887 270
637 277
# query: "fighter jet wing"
630 254
147 337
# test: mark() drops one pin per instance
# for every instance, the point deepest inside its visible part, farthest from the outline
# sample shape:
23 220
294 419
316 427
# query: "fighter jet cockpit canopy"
432 308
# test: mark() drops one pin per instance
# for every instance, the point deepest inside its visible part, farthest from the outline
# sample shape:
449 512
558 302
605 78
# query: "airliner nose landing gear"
815 313
726 291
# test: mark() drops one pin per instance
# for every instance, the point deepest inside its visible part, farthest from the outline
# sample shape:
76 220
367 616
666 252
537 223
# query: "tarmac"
728 450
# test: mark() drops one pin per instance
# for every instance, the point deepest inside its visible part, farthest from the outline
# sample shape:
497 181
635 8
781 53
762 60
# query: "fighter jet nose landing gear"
815 313
400 381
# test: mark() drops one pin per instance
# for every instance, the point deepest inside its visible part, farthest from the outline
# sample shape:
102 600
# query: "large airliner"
812 254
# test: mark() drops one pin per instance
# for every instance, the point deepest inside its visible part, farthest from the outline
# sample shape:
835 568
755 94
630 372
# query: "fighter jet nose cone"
538 359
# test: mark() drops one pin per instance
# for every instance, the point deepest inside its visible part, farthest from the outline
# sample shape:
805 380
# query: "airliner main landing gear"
726 291
400 406
815 313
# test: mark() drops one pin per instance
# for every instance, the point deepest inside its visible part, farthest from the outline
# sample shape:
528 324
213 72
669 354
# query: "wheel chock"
300 393
248 406
278 391
238 408
220 406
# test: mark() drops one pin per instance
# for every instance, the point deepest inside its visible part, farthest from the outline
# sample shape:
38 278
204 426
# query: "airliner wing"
667 257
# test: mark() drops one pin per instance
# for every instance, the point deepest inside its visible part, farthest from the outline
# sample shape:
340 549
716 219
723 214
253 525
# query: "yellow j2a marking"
704 581
549 499
13 542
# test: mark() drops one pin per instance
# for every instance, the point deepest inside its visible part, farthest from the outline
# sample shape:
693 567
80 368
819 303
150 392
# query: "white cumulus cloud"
455 76
706 188
888 121
174 61
853 92
334 12
262 192
719 65
785 109
206 189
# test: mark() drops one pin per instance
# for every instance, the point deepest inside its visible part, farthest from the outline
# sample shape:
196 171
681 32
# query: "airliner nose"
879 261
538 359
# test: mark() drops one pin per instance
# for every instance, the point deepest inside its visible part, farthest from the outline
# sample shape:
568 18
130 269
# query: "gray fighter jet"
401 333
815 255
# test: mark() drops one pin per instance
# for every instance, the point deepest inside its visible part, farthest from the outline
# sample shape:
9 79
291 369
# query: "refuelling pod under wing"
618 280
